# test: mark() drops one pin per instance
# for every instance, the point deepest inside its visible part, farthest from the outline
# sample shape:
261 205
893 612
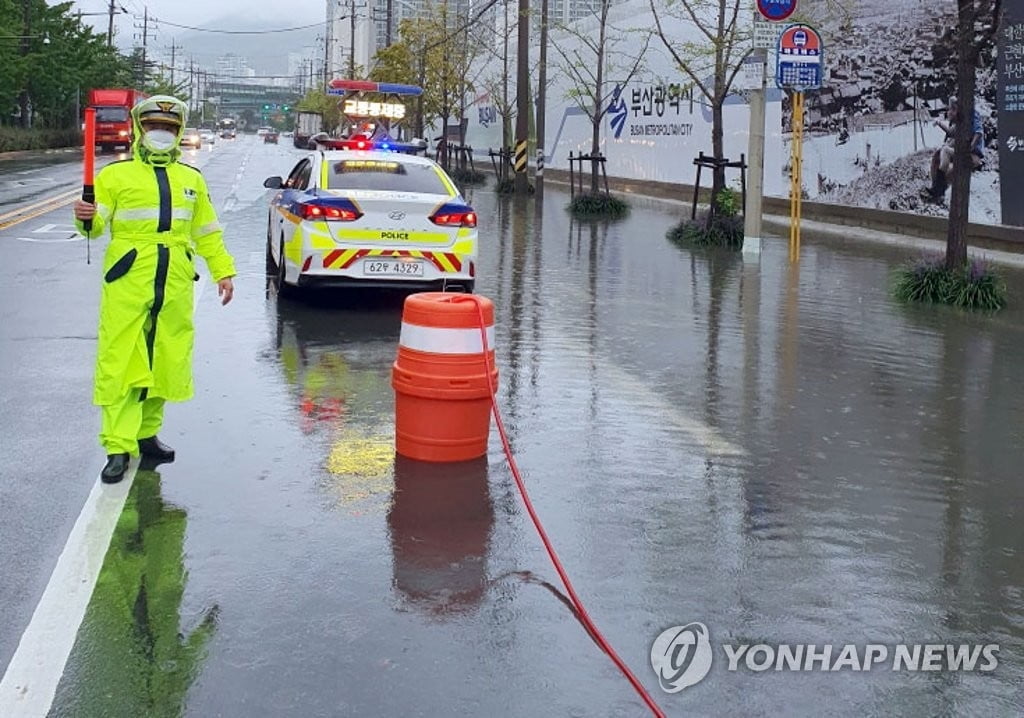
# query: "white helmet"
165 109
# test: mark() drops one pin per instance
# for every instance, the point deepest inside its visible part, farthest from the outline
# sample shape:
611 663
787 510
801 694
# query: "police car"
370 217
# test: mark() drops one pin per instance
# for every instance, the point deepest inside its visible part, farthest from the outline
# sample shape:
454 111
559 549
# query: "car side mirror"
273 182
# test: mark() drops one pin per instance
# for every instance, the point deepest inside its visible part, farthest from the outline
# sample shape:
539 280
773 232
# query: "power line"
241 32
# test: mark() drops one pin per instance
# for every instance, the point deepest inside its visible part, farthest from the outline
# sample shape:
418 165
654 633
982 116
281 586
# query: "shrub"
468 176
717 230
13 139
505 186
723 228
598 204
974 286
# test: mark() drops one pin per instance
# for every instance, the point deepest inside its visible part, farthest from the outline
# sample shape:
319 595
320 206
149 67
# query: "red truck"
113 123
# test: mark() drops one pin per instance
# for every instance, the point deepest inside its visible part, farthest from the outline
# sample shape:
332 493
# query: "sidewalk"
22 154
777 226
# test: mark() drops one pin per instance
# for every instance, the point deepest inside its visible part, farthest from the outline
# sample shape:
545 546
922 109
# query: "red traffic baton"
88 167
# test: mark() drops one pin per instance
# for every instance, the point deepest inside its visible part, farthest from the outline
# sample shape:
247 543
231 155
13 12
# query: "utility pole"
542 92
110 24
23 98
506 127
522 183
755 150
141 80
173 49
388 21
327 49
352 40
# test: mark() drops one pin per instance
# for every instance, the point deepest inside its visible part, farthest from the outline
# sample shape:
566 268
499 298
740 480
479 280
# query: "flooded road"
781 453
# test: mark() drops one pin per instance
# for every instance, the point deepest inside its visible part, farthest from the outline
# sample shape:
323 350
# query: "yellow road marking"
40 203
38 213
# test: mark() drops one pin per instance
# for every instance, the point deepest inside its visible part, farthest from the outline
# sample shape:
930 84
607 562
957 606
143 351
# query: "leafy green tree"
160 84
48 73
326 105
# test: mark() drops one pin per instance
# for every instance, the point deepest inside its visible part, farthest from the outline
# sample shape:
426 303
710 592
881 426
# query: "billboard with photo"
872 132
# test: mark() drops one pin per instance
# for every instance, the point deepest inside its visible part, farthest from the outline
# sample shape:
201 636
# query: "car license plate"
393 267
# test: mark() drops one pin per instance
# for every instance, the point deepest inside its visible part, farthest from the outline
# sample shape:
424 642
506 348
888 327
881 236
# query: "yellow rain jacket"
159 217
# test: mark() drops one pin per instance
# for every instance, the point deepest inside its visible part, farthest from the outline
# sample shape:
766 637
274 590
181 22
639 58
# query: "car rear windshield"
385 175
111 114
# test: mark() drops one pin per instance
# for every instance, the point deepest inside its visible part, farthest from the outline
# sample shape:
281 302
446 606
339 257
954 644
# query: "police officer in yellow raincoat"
159 215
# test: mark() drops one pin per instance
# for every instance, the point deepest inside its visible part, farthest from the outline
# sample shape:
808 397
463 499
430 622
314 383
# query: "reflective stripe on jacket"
158 218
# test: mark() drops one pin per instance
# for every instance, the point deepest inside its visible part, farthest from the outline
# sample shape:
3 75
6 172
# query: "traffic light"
286 108
266 107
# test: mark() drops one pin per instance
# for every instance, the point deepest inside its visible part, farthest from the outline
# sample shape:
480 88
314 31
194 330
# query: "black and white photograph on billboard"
878 133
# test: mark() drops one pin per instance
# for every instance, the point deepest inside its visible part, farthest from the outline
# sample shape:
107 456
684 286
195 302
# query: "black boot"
152 448
113 472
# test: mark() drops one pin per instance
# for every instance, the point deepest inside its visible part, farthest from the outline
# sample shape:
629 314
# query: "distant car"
263 130
191 138
227 134
270 136
208 136
351 218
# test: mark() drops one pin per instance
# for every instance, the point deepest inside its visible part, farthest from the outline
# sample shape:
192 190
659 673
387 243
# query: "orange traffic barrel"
442 395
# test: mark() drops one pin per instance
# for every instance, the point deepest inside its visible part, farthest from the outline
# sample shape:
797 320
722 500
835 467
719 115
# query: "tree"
326 105
711 61
55 62
160 84
977 24
589 63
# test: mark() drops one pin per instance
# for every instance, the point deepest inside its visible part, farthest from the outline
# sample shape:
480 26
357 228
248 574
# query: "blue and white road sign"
799 59
776 10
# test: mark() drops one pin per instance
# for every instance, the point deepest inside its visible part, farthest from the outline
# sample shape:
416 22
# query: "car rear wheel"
271 265
283 288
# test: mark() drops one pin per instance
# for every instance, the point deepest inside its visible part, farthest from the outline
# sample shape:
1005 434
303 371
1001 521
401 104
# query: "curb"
829 232
19 154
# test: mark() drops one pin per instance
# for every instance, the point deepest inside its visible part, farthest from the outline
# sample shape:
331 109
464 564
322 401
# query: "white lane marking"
31 679
713 441
61 229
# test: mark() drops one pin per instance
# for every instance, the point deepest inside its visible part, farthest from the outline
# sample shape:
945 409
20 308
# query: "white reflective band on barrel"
439 340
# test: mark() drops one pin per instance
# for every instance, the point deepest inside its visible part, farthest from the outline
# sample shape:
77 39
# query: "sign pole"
755 150
796 175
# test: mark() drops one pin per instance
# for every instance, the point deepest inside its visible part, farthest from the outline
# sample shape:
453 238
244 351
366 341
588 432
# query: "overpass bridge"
262 101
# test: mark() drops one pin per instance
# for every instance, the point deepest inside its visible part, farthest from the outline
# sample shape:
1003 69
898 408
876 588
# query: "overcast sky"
219 14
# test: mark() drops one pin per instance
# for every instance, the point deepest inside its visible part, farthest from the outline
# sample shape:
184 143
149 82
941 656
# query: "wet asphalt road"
783 454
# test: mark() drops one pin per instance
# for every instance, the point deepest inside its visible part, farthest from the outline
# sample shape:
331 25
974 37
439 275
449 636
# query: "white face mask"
159 140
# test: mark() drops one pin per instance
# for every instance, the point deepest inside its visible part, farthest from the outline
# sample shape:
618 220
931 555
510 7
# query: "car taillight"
329 213
454 219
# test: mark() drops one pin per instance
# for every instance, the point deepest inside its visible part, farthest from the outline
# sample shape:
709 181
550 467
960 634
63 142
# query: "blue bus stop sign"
776 10
799 59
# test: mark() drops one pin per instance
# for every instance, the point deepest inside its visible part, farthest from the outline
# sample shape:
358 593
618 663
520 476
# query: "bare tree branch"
683 65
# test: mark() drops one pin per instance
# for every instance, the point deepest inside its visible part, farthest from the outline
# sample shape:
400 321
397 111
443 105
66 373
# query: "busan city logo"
681 657
617 111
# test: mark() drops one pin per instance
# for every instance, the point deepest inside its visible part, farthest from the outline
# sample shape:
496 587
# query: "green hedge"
973 286
13 139
598 205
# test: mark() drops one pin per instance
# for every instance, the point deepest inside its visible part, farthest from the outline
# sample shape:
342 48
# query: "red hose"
584 616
